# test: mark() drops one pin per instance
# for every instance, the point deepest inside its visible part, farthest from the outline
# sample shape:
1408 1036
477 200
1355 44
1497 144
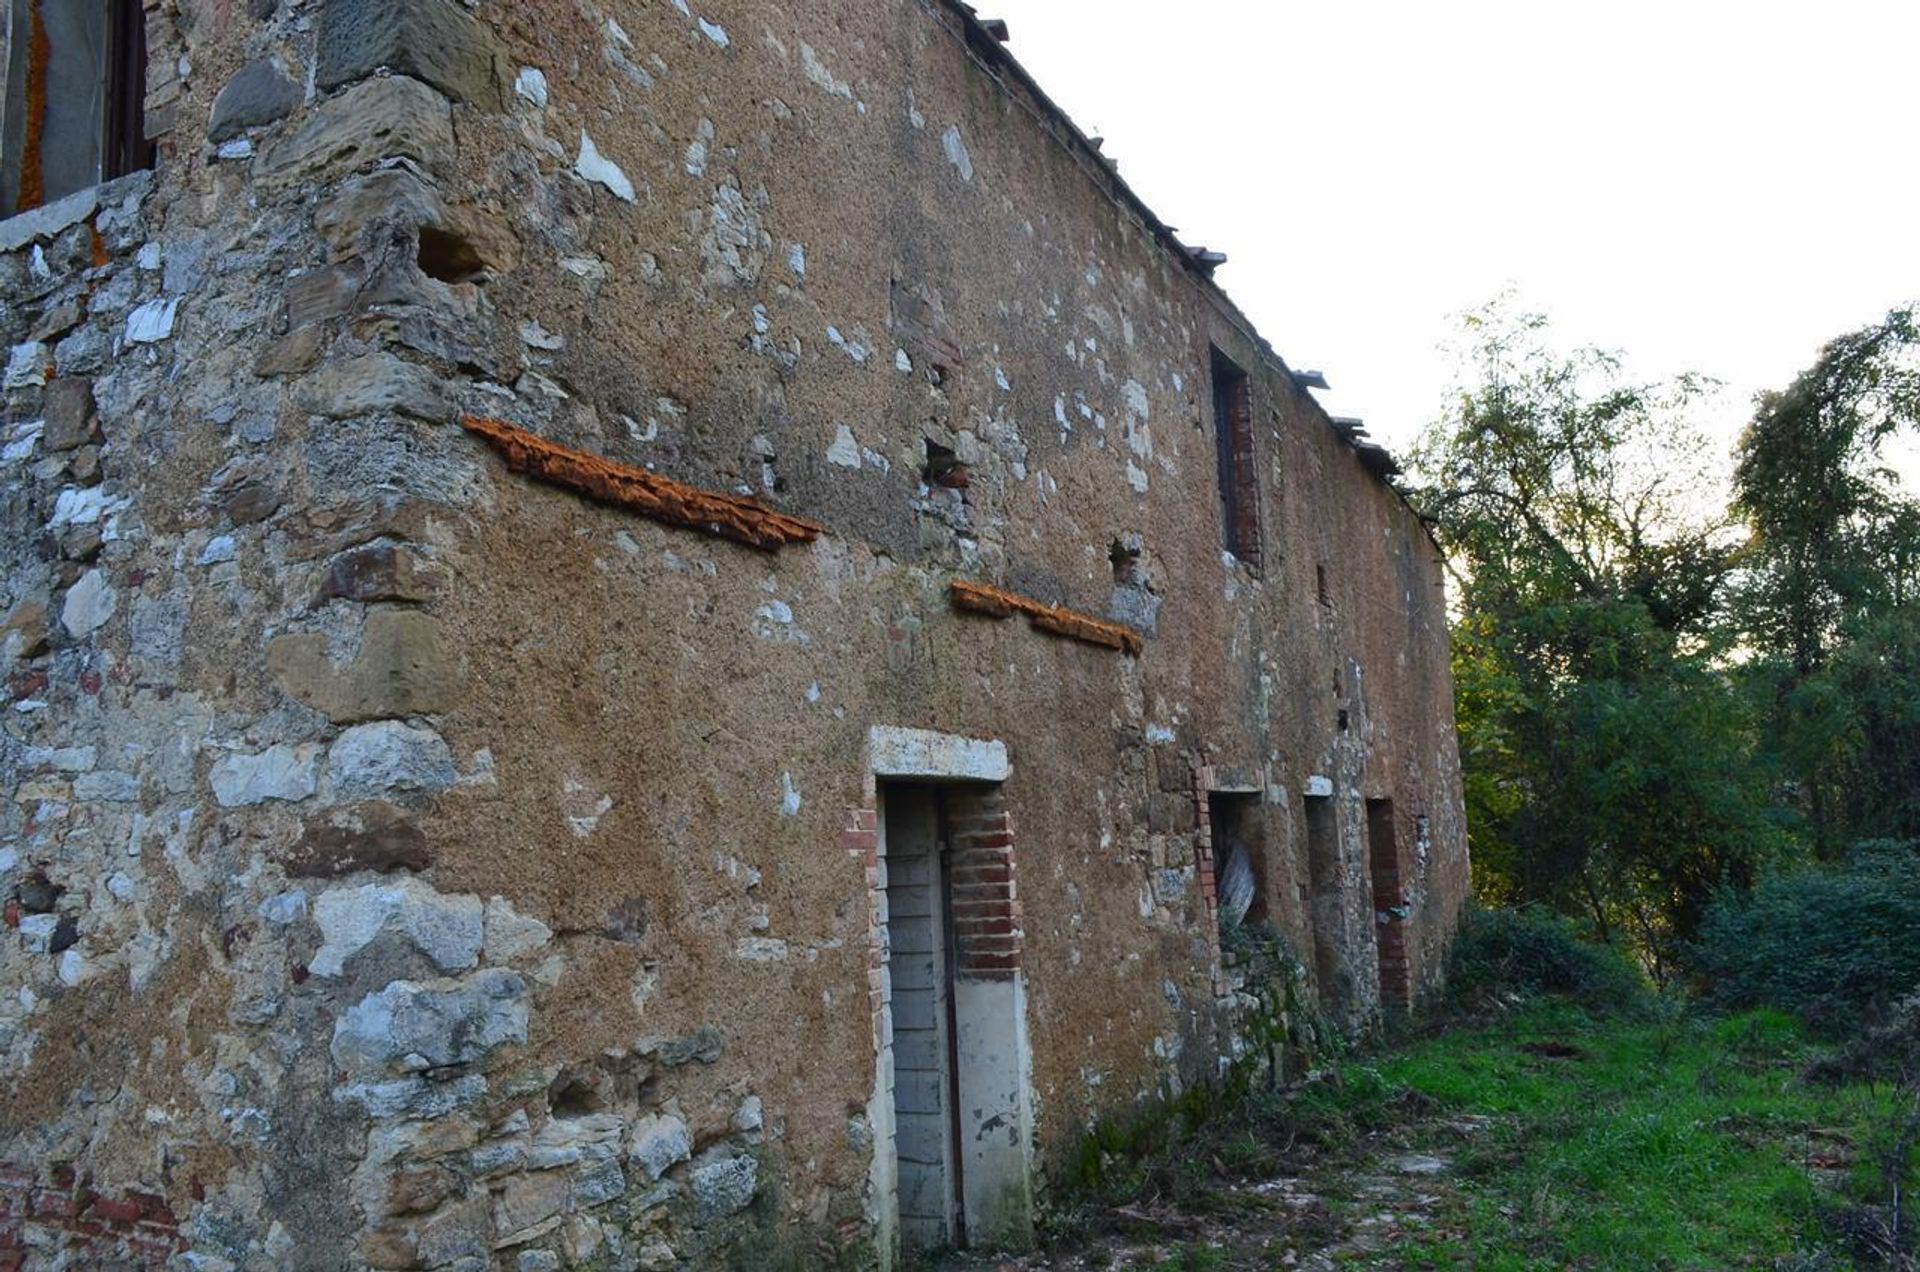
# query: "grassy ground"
1543 1139
1675 1144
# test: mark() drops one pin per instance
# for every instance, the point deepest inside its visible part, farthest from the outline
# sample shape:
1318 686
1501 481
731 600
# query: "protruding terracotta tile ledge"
662 498
984 598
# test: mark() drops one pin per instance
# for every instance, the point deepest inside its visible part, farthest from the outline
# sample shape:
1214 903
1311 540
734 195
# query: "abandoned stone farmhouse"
651 633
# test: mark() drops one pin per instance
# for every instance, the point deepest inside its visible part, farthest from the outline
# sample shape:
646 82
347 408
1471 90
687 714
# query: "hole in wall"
572 1096
448 257
1321 591
936 375
762 454
943 468
1343 719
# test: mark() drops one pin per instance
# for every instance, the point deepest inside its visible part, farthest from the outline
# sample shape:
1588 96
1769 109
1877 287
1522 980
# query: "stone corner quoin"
636 633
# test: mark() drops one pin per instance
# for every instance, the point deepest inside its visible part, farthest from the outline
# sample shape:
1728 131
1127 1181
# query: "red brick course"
60 1213
988 925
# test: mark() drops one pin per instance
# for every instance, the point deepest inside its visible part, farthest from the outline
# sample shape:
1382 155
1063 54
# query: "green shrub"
1837 947
1532 952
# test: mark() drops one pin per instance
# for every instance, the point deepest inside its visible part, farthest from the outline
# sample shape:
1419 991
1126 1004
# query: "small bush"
1533 952
1836 947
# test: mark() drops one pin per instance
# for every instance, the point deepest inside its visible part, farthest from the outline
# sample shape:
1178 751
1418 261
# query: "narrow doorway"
1389 904
1327 905
921 1000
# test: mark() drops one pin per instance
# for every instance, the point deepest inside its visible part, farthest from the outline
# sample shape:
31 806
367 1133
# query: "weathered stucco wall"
413 864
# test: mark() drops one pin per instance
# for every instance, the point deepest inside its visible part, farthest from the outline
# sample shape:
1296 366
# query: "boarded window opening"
72 97
1239 472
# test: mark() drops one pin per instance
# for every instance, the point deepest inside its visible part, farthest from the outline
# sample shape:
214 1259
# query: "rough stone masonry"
504 845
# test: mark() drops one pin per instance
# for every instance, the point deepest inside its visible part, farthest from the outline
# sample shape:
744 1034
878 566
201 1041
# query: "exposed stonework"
415 860
432 40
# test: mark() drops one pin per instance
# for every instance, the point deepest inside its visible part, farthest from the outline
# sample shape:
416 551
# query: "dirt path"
1323 1210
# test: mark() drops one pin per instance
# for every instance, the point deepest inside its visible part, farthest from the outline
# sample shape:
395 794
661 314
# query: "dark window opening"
1239 856
72 97
1239 473
127 148
1321 592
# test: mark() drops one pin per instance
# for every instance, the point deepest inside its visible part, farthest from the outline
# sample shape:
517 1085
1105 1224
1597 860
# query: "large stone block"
370 384
723 1184
409 1027
89 604
376 202
259 94
278 773
660 1141
24 631
446 928
362 216
377 572
388 118
460 1235
388 760
528 1201
402 668
432 40
72 421
376 837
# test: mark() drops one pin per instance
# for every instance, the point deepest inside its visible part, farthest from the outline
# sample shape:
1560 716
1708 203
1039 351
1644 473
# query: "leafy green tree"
1827 597
1608 754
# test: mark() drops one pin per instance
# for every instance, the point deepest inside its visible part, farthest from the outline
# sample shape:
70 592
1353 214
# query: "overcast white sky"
1707 185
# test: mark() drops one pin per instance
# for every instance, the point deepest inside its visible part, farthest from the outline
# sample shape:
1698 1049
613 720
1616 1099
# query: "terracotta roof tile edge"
984 598
661 498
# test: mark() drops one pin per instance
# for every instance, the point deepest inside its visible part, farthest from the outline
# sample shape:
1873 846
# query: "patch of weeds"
1195 1258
